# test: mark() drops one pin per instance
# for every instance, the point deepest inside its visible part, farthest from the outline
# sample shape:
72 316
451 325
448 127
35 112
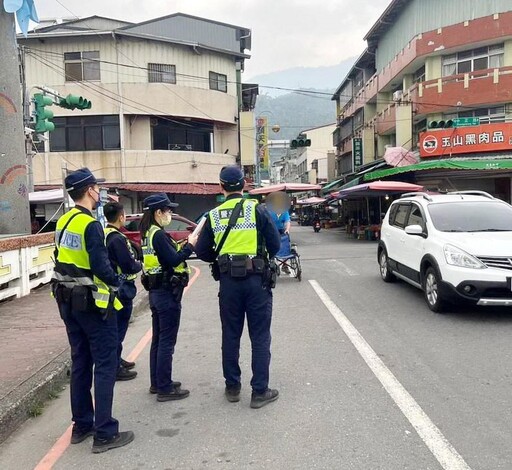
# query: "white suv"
455 247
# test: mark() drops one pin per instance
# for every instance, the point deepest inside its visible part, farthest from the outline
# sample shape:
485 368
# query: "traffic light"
300 141
43 116
441 124
75 102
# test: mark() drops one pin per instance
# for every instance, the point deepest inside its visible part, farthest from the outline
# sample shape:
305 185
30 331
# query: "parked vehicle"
179 229
456 247
317 226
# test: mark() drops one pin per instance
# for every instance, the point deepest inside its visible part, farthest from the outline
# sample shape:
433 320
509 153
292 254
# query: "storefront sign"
454 141
357 152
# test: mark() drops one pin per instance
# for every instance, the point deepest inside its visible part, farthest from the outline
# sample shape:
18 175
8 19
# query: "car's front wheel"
385 273
431 292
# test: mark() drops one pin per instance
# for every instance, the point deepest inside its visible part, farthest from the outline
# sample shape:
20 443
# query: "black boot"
176 393
119 440
153 390
125 374
127 364
261 399
78 436
232 394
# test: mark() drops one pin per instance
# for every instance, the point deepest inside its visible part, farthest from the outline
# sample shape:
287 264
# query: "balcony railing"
469 89
365 94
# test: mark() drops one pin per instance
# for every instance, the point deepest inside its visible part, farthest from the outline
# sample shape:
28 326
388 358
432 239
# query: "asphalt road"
369 379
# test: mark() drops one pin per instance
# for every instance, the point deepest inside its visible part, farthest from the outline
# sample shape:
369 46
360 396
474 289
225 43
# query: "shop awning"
452 164
332 185
376 188
311 201
288 187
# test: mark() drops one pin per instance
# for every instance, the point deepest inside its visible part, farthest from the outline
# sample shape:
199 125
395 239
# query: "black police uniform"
165 306
244 296
92 337
121 257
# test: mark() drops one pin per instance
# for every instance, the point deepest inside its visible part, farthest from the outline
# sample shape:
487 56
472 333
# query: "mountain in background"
303 77
295 112
309 106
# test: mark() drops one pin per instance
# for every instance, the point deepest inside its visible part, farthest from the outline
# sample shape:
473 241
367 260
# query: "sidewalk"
34 355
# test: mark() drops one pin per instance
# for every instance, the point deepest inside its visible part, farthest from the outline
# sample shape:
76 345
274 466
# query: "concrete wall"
140 166
247 138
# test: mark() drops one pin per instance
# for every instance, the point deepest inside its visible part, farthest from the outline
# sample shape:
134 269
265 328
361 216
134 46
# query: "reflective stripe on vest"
243 237
151 263
125 277
72 266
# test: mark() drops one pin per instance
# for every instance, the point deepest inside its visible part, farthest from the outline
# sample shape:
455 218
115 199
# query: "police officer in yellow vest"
123 259
242 253
165 276
84 285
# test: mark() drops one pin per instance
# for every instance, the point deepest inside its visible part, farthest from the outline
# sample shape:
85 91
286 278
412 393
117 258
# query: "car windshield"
464 216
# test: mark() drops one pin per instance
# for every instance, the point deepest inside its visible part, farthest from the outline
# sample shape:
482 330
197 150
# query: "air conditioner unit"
397 95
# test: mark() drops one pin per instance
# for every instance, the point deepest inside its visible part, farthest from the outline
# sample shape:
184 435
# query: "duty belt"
241 265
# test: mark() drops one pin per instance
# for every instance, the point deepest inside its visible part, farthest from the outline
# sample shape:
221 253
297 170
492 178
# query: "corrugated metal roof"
172 188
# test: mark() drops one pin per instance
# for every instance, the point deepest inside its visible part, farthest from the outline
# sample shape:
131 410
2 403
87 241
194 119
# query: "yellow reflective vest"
72 266
126 277
151 263
243 237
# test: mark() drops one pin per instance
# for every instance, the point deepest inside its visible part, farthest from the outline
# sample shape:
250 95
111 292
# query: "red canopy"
376 188
288 187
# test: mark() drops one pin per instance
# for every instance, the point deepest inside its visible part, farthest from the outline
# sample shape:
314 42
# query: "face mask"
166 219
96 201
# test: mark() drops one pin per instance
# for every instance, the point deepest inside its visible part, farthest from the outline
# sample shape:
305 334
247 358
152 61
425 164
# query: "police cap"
158 201
232 178
80 179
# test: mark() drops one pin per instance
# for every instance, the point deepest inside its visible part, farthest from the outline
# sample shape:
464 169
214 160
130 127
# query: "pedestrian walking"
84 285
123 259
165 276
239 238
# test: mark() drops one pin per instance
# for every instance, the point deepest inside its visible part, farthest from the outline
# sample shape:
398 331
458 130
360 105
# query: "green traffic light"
75 102
43 116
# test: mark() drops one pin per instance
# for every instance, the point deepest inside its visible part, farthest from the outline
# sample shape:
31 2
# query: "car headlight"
457 257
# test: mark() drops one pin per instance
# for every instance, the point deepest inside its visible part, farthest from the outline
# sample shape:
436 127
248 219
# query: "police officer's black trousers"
123 319
237 298
93 342
166 314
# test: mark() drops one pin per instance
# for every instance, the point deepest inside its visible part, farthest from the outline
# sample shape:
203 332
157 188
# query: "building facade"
316 163
432 62
166 98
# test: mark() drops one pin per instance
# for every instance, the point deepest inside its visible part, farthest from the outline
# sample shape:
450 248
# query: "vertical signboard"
357 152
261 141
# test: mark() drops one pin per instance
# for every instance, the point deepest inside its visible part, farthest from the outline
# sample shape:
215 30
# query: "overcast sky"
286 33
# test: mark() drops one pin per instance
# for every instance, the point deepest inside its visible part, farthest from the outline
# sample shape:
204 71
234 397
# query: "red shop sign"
457 140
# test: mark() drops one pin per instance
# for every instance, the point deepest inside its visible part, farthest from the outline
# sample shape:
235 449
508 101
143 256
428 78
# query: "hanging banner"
458 140
261 141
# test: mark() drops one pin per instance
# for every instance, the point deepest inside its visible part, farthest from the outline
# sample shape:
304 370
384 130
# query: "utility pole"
14 204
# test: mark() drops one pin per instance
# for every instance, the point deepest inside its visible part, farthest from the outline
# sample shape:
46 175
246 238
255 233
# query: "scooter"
316 227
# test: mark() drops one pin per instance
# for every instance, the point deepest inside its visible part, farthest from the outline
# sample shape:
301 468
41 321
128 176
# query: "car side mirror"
190 228
415 230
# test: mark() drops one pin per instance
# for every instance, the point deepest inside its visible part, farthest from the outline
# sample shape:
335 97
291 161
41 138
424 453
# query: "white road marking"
443 451
344 268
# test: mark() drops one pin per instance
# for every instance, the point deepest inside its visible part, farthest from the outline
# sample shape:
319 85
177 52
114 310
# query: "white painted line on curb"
443 451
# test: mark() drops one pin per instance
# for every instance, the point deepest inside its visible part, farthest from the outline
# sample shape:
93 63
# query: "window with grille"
218 82
161 73
82 66
83 133
487 57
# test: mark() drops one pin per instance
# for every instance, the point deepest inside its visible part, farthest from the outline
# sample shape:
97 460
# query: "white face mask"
166 219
